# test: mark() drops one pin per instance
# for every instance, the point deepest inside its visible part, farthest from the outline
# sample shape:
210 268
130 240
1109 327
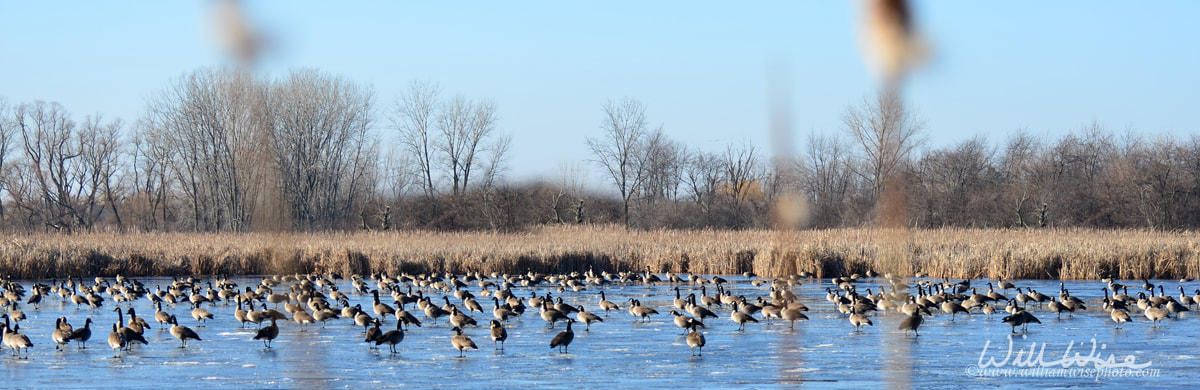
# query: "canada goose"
791 315
499 334
535 300
698 311
1175 308
563 307
859 320
462 342
116 342
1023 298
128 335
995 296
1142 302
35 299
953 308
434 312
277 299
363 319
349 311
240 314
17 315
517 305
989 310
1156 314
448 306
60 336
137 324
407 318
160 316
461 320
268 334
550 315
82 335
679 302
1120 316
1186 300
373 335
64 325
255 316
303 319
15 340
326 315
1112 304
201 315
770 311
685 322
392 337
1057 308
637 310
564 338
607 305
1072 303
1038 297
587 318
910 308
650 277
695 341
741 318
912 323
183 333
747 307
381 309
1004 285
472 305
1020 318
706 299
500 312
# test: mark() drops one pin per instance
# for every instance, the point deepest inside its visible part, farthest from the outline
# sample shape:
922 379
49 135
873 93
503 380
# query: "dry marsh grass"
945 253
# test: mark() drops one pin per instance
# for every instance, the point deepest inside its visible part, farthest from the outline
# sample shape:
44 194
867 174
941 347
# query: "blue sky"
701 67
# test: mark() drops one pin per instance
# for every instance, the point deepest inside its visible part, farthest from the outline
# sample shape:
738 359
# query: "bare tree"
617 150
1070 179
150 173
1018 171
49 197
217 123
414 117
953 185
702 177
742 175
663 160
397 174
568 184
497 152
826 179
101 151
67 168
465 126
320 134
886 132
7 134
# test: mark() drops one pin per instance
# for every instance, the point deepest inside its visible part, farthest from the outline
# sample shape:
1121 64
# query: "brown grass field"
944 253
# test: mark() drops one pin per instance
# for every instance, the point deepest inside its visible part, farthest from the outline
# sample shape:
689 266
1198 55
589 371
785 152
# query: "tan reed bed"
945 253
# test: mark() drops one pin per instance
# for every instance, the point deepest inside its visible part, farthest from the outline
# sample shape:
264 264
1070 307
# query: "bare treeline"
223 151
1087 178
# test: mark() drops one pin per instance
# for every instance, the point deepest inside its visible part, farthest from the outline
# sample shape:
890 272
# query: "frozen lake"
620 352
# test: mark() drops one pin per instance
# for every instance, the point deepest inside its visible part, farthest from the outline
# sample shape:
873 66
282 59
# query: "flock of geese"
310 299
